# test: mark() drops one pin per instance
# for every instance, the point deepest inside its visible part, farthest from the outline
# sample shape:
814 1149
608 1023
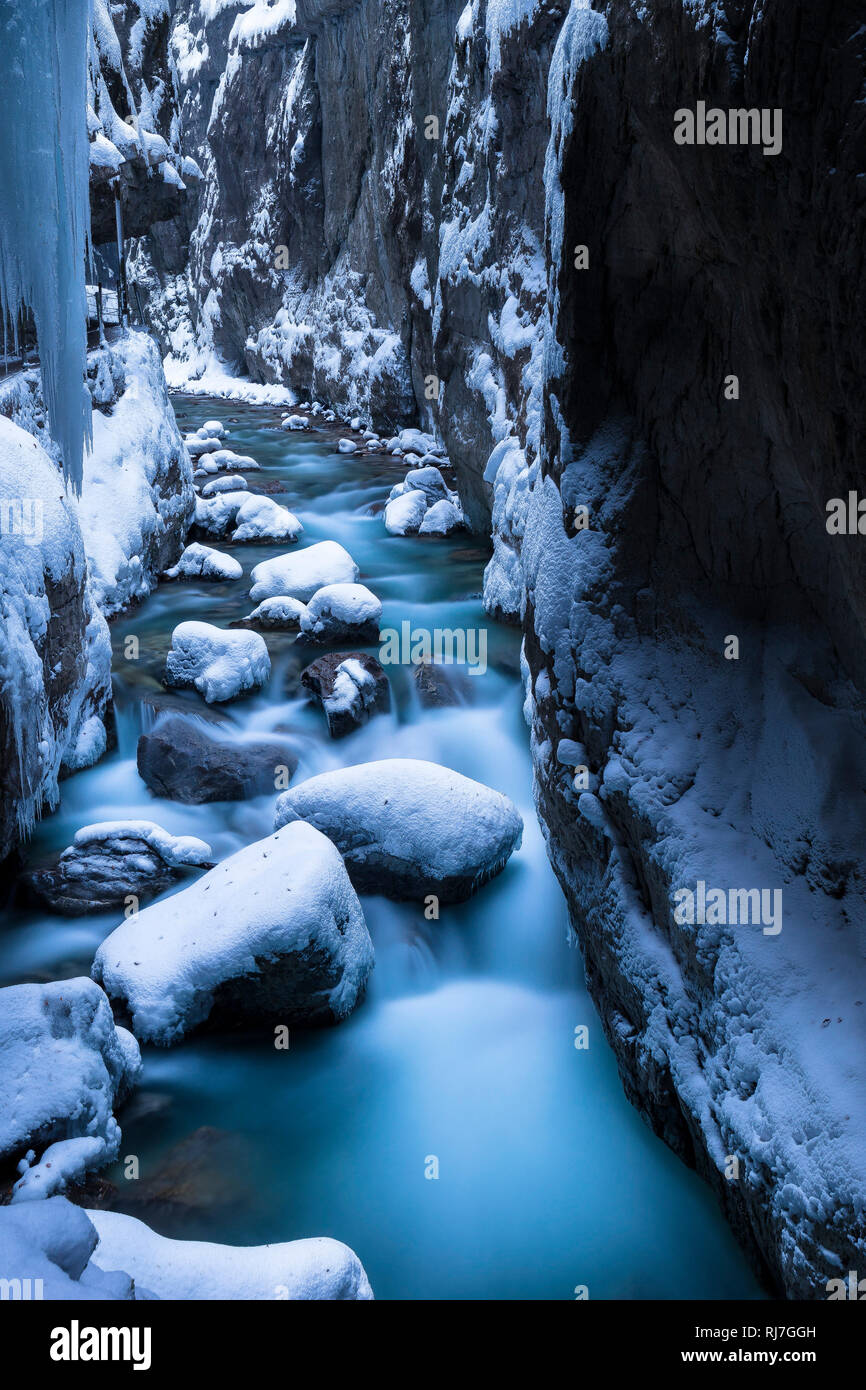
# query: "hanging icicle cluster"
44 207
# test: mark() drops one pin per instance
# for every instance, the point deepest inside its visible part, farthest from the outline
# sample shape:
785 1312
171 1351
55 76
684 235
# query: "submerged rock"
313 1269
180 759
109 861
407 828
340 612
220 665
273 934
350 687
299 575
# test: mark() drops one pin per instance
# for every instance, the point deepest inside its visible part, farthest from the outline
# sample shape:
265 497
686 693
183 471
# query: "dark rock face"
707 520
181 760
350 687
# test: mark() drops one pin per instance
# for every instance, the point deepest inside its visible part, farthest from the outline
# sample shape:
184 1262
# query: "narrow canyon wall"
641 516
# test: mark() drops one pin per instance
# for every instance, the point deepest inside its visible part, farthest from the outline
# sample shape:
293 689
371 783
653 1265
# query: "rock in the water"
275 933
295 422
254 517
213 429
438 685
339 612
109 861
203 562
64 1066
279 614
349 687
314 1269
405 512
442 518
407 828
179 759
299 575
346 446
198 444
230 482
220 665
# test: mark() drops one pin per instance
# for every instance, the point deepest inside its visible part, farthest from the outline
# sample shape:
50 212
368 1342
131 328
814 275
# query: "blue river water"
463 1051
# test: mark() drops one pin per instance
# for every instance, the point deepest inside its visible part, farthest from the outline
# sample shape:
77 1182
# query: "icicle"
44 200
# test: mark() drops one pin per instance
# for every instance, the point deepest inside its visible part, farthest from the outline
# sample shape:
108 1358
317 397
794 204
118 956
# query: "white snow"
44 210
221 665
404 514
48 1247
346 446
409 823
254 517
231 482
175 850
286 895
340 606
202 562
63 1064
191 1269
441 519
279 612
300 574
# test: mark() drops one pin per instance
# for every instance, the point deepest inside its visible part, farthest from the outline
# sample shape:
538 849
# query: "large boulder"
299 575
181 759
46 1252
339 613
350 686
109 861
274 933
407 828
220 665
64 1066
441 519
193 1269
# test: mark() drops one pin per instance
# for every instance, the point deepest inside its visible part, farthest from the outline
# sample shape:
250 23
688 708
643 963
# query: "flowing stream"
463 1050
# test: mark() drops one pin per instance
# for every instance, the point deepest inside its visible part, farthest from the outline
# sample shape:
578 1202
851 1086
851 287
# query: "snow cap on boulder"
407 828
274 932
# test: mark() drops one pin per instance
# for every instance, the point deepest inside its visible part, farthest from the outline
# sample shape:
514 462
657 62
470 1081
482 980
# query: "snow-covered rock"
340 612
253 517
275 932
405 512
220 460
280 614
221 665
350 687
230 482
429 479
295 422
407 828
263 519
64 1066
188 759
441 519
111 860
346 446
301 574
213 429
47 1247
318 1268
202 562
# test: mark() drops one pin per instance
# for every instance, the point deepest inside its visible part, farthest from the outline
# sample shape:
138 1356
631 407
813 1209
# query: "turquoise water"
463 1050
